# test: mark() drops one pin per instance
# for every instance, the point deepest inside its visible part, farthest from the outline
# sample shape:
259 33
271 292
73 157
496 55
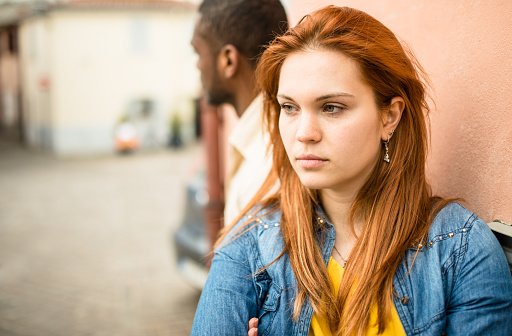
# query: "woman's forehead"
320 73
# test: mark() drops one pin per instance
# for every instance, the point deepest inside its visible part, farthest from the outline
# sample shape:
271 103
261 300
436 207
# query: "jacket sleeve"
481 300
228 299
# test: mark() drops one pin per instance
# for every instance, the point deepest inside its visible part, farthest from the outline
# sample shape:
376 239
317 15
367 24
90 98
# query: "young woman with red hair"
353 242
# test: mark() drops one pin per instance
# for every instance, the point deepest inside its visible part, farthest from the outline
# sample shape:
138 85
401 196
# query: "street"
85 244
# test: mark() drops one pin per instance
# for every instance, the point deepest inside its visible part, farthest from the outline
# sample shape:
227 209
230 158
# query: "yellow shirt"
319 326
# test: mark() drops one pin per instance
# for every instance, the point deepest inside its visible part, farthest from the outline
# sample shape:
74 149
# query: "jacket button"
444 333
404 300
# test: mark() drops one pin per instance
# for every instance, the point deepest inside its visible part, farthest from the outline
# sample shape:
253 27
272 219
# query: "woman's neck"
337 208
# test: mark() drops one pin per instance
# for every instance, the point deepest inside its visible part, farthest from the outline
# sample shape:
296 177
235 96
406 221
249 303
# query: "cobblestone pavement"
85 244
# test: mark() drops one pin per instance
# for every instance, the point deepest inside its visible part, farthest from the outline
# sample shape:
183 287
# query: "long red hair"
395 203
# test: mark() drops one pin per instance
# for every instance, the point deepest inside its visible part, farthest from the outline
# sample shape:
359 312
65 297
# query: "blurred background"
111 168
74 71
99 136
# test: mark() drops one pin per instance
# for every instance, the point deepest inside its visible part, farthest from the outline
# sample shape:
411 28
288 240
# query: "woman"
352 243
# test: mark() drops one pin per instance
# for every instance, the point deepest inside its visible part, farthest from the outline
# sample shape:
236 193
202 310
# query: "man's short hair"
249 25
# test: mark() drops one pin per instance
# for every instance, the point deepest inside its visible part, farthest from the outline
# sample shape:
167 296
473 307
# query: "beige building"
86 65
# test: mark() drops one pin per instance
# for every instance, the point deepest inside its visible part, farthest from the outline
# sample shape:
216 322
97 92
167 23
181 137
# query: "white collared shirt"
250 163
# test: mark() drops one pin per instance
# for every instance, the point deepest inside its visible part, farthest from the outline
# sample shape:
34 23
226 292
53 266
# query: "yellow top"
319 326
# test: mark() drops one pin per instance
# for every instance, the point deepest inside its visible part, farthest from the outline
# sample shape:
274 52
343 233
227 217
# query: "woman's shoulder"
453 218
457 224
261 225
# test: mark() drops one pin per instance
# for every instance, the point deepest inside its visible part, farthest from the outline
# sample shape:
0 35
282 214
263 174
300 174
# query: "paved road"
84 244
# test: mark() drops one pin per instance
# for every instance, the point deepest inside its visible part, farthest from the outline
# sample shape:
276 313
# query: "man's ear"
391 117
228 61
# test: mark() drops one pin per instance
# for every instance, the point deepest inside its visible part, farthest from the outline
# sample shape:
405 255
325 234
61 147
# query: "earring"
386 155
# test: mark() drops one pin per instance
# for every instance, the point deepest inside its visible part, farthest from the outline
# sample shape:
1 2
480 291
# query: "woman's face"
329 123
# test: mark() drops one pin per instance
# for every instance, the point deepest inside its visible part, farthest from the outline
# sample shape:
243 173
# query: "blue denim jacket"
460 283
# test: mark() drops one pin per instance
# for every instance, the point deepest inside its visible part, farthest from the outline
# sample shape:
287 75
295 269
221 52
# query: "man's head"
229 37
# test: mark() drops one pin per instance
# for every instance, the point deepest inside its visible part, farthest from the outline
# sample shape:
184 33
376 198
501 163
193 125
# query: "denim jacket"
460 283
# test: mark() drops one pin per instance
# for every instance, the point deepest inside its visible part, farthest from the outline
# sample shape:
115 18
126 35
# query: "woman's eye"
287 108
333 108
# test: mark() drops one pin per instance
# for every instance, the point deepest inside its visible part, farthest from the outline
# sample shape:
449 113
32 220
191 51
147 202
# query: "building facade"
88 66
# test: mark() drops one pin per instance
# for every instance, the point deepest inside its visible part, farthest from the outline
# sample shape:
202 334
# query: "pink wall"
466 47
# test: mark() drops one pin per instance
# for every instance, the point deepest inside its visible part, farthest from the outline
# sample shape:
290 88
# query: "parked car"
191 240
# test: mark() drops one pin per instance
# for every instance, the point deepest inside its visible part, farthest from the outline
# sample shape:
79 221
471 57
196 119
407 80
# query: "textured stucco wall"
466 47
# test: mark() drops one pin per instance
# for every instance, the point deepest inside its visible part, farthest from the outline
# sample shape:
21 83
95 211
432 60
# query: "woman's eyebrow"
285 97
321 98
334 95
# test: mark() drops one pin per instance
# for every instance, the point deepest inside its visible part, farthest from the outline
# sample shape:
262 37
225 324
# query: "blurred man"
229 37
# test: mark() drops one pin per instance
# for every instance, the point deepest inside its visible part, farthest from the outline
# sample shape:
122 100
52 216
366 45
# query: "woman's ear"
228 61
391 117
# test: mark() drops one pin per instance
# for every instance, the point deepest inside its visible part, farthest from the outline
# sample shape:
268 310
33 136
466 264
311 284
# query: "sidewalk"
85 245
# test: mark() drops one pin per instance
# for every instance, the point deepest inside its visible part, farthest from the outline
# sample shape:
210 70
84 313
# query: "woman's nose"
308 129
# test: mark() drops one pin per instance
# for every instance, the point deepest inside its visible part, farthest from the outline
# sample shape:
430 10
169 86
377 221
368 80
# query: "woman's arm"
228 300
481 300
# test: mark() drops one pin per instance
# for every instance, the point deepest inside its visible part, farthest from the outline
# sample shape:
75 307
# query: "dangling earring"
386 155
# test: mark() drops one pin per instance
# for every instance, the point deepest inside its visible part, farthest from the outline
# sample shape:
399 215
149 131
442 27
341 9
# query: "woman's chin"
314 184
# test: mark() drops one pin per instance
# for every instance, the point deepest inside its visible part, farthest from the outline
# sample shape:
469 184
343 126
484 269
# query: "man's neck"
244 87
243 98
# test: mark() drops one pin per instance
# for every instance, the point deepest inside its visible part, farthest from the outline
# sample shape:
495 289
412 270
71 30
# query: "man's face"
213 86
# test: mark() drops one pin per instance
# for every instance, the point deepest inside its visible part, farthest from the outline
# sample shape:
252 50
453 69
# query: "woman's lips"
309 161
